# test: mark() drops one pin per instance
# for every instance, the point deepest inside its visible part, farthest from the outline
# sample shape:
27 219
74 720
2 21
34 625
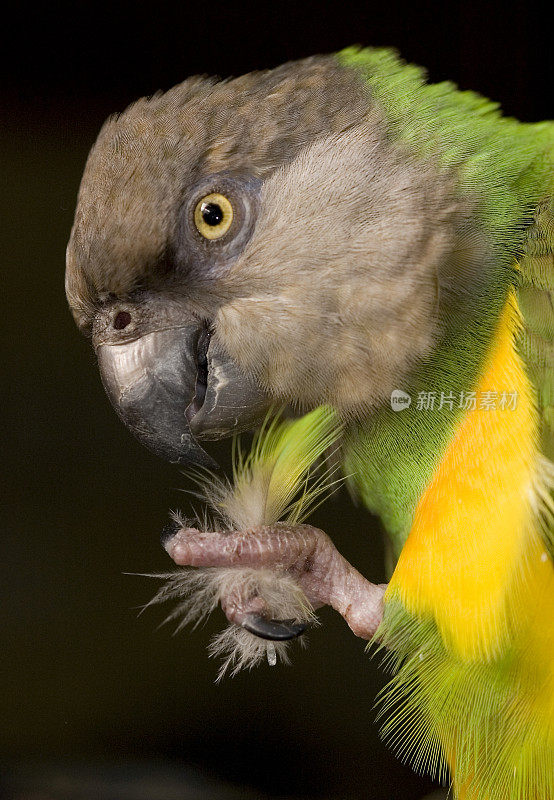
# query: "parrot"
340 237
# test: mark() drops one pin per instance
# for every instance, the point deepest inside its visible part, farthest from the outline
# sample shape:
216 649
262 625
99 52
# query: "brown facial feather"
144 160
340 290
338 293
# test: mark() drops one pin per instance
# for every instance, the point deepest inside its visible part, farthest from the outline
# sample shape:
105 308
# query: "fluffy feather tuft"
199 592
270 483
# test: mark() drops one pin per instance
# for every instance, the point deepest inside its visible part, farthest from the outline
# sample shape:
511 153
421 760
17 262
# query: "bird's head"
258 241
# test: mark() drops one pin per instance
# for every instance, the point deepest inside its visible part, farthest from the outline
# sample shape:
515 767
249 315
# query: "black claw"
169 531
276 630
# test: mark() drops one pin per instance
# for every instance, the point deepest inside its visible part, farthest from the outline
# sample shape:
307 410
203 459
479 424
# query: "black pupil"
212 213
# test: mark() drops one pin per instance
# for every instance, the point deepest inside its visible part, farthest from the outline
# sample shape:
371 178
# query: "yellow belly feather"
476 561
475 543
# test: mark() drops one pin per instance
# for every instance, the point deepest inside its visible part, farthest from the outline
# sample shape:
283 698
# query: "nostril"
121 320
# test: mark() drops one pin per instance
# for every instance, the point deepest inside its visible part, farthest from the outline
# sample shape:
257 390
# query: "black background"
91 694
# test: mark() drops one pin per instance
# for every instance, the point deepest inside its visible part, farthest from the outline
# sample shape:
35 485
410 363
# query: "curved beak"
174 385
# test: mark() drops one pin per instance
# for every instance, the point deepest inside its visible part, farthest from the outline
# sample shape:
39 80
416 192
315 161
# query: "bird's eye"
213 216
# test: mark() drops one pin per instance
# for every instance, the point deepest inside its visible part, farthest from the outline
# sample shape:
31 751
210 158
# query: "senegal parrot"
339 237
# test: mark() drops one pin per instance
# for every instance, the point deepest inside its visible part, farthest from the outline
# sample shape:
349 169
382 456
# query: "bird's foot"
301 555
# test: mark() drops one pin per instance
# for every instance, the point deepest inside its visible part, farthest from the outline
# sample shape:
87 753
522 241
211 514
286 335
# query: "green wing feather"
492 718
536 301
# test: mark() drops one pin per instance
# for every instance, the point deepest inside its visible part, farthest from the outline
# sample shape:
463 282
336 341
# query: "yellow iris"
213 215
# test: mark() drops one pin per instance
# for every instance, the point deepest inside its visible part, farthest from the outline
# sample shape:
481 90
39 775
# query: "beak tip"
195 456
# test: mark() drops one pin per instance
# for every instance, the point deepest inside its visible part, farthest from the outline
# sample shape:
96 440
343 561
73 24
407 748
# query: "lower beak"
173 385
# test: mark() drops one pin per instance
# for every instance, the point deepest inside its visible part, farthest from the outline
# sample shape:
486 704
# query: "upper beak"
172 385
